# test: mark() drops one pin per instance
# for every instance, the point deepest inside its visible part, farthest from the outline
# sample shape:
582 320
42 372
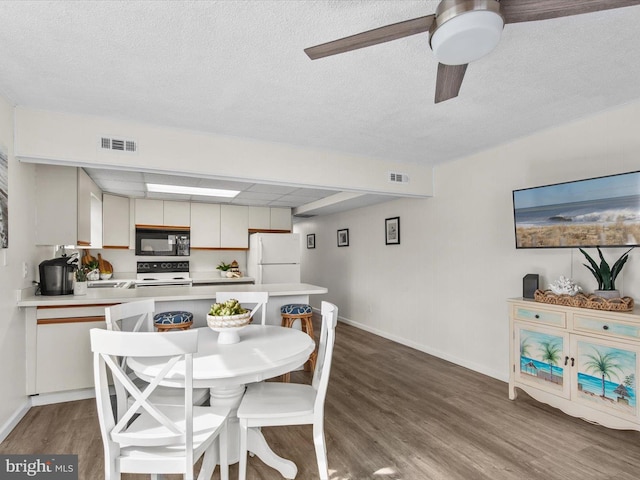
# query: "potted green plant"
80 285
224 268
605 275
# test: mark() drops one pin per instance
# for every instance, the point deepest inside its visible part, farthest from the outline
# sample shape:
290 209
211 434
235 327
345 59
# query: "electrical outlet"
25 269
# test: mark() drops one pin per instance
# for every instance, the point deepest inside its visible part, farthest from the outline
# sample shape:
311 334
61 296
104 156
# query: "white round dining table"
264 351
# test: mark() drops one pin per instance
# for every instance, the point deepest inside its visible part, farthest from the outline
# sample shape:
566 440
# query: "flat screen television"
596 212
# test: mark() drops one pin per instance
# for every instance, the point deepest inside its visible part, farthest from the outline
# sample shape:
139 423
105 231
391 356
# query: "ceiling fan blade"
449 80
371 37
515 11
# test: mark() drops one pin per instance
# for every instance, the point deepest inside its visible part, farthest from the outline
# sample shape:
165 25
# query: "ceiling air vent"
395 177
118 145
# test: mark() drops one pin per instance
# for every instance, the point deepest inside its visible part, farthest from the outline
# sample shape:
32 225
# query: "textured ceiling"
238 68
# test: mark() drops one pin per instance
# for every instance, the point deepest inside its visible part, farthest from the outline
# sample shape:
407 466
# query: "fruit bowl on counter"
228 319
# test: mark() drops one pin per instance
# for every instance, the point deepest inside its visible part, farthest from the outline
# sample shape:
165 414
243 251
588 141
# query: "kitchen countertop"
97 296
197 277
204 277
214 277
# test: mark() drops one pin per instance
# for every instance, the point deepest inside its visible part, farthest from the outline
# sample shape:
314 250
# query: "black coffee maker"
56 276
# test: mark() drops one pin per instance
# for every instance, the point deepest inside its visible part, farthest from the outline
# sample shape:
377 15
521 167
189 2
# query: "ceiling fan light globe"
467 37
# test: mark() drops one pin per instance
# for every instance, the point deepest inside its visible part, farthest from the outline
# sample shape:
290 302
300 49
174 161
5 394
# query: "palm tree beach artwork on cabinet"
605 374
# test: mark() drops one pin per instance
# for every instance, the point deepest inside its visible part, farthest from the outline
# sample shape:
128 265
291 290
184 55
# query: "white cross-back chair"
270 404
260 299
162 439
138 317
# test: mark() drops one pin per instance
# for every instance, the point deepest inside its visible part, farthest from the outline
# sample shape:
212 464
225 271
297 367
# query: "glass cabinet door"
542 358
605 375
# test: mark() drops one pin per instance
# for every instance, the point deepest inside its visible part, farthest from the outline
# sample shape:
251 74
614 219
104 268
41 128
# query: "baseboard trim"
436 353
59 397
10 424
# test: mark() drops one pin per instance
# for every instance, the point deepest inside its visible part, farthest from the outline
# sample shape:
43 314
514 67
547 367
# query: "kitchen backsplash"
124 261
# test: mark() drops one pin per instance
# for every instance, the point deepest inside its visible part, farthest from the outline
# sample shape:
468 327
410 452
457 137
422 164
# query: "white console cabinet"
584 362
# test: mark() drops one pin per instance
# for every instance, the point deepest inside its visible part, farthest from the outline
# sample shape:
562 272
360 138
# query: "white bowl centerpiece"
227 319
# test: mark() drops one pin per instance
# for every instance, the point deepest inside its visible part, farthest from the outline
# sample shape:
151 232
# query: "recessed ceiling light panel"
199 191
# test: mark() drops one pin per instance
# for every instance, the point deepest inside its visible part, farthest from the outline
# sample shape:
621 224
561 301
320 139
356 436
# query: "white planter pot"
80 288
93 275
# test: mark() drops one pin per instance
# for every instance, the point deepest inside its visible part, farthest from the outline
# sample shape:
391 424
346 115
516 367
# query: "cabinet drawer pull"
537 315
573 361
605 327
566 359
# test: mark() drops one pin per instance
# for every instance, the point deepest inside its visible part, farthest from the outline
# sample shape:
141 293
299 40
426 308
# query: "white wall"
13 400
443 289
74 139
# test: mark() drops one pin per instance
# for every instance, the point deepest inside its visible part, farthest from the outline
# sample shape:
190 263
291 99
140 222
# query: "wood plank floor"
393 413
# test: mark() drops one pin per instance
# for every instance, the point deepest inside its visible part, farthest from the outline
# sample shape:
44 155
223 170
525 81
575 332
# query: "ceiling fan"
462 31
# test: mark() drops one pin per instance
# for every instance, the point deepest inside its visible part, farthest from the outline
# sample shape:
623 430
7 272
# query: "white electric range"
163 273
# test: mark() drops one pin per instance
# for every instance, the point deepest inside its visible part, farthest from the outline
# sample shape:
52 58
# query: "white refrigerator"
274 257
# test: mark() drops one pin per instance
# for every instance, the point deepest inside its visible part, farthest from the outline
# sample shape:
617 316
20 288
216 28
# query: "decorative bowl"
105 276
228 326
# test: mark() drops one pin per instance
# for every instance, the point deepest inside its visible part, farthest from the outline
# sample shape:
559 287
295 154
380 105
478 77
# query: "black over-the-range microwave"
162 242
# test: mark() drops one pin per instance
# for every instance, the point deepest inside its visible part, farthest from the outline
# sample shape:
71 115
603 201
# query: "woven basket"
229 321
580 300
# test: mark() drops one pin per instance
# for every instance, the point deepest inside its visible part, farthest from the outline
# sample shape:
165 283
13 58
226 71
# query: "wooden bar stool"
177 320
303 312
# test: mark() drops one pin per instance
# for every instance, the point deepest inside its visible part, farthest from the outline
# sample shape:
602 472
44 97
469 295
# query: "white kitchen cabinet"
177 214
280 219
234 226
205 225
149 211
63 359
266 218
84 208
162 213
259 218
68 207
584 362
115 221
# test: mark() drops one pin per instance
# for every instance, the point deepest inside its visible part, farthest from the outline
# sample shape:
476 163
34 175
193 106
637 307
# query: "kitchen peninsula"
58 358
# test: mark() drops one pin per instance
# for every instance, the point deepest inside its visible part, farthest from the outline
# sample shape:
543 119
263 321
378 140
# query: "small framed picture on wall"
311 240
392 231
343 237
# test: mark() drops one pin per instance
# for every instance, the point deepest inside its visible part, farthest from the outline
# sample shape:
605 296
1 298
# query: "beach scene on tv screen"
601 211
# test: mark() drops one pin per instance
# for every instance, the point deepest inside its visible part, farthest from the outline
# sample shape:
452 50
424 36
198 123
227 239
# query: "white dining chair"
269 404
138 317
260 299
152 438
